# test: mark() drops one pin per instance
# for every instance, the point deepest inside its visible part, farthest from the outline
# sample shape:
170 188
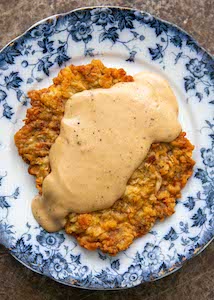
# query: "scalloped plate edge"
198 250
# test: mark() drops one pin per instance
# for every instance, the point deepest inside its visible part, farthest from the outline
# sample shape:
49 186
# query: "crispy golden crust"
42 123
152 190
150 194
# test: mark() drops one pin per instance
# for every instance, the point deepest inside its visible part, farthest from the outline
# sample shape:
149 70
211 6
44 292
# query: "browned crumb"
152 190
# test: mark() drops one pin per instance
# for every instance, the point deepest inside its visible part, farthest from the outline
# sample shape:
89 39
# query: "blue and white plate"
135 41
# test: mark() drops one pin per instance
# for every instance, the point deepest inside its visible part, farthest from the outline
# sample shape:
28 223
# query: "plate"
135 41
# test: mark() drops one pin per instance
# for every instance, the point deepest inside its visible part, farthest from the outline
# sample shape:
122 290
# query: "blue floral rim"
197 67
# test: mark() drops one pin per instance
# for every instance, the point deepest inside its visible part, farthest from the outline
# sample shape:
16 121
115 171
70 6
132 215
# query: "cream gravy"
105 135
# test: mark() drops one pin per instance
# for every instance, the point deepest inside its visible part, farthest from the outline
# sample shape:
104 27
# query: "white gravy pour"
105 135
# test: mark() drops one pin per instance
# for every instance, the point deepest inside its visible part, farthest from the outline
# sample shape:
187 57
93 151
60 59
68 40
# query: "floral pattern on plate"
96 32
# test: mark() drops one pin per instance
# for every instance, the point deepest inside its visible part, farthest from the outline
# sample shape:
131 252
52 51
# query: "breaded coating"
150 195
152 190
42 123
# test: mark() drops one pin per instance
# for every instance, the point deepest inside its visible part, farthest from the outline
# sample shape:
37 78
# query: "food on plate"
118 160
